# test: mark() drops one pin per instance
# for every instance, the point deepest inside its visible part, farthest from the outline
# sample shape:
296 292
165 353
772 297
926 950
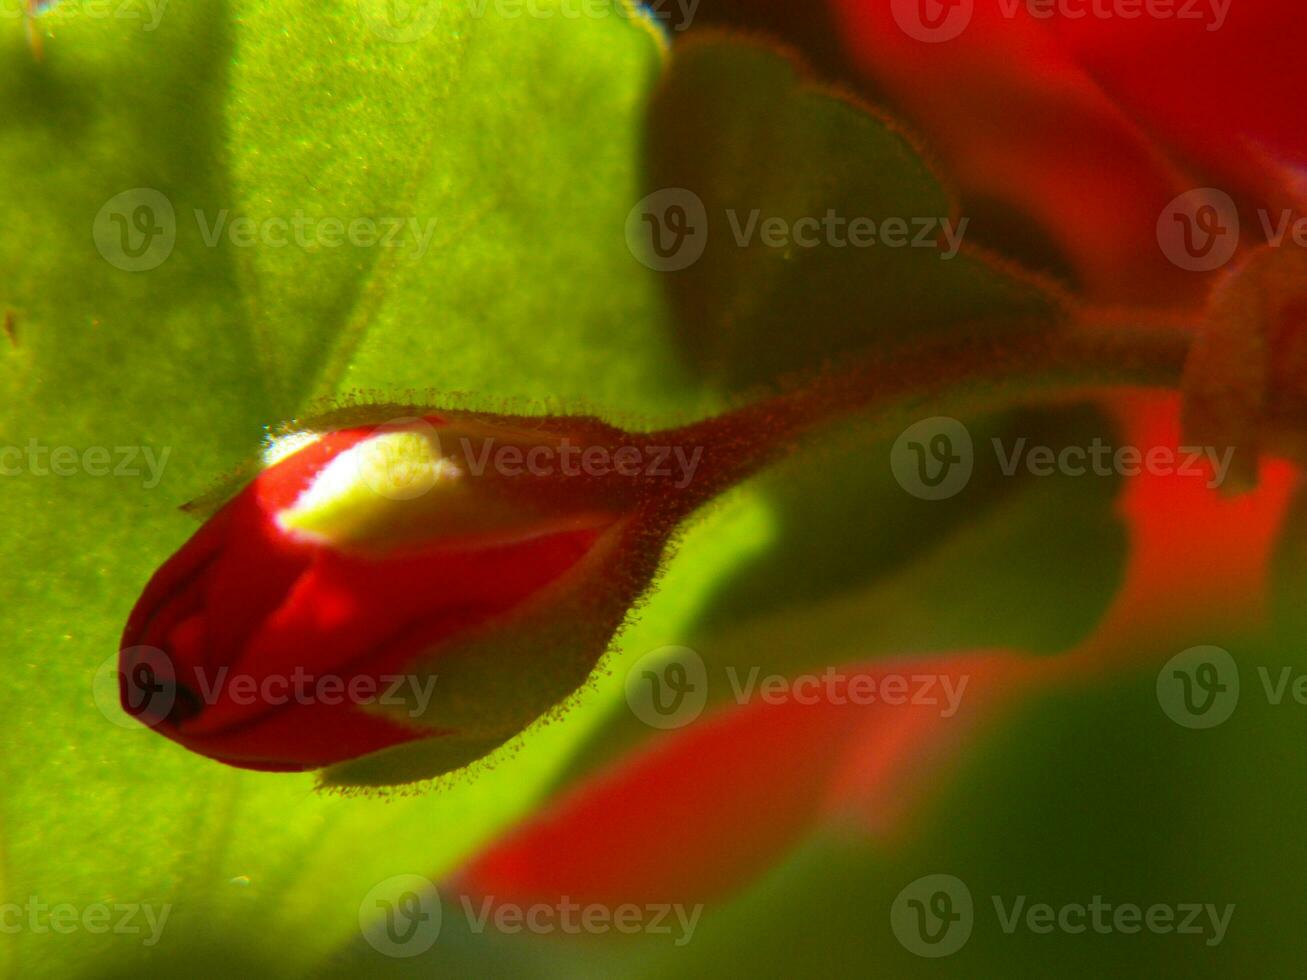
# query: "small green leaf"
822 228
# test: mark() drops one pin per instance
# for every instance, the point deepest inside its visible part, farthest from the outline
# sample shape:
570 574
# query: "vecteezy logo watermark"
934 916
668 231
1199 688
137 230
402 459
148 12
121 919
401 21
667 688
936 21
119 462
932 21
145 681
400 917
1199 230
142 681
934 459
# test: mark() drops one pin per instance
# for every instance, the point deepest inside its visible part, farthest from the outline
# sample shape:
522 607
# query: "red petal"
350 618
1199 560
699 812
1214 86
1016 119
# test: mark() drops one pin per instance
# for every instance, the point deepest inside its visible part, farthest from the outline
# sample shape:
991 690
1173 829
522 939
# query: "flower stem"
983 369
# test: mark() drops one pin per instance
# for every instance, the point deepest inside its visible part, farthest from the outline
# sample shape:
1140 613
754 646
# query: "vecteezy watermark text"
668 688
1212 13
137 230
406 458
405 21
120 462
935 915
934 459
937 21
99 918
146 681
309 233
833 230
148 12
403 915
669 230
1102 459
839 687
573 918
569 459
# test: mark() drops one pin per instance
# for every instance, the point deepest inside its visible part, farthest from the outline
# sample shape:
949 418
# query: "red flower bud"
425 588
394 602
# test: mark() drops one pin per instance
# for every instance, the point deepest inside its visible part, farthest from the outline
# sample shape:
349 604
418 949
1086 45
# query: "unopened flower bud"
466 572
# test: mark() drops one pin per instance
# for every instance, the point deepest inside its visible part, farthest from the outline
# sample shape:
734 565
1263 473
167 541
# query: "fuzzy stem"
954 373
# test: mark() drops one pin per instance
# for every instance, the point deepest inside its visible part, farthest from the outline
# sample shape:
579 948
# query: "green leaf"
818 226
517 137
